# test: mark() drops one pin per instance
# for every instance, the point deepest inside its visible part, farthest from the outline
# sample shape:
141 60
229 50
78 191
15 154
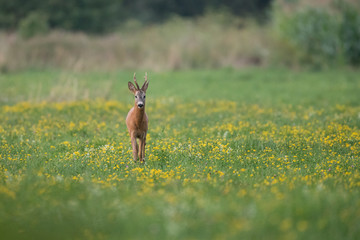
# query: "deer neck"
139 114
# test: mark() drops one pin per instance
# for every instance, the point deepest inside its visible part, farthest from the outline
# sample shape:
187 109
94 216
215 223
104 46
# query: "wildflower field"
231 154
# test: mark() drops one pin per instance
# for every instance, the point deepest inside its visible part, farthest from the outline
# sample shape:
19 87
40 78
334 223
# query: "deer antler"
137 85
146 79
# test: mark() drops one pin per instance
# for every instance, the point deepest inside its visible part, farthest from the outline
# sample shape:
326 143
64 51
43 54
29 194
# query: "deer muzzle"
140 105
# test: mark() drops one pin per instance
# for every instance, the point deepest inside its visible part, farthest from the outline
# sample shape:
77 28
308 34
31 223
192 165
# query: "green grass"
255 154
266 87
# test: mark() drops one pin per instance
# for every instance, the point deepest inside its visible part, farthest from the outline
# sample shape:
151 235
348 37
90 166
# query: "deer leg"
135 148
144 143
142 149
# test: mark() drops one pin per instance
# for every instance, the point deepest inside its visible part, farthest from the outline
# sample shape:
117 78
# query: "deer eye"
144 96
135 96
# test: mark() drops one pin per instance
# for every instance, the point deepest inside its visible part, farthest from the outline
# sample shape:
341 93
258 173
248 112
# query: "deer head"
139 93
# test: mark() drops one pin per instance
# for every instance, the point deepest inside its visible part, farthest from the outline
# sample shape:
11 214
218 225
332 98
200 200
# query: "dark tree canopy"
98 16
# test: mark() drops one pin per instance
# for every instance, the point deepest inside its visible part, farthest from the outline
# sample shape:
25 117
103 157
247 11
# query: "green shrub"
349 33
313 33
34 24
320 37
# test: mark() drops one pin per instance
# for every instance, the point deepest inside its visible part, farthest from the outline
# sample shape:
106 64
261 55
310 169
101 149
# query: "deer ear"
145 86
132 88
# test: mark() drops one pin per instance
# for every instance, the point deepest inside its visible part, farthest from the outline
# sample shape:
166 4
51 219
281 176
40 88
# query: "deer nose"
140 105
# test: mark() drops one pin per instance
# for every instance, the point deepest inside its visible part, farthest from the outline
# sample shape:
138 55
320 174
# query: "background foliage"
173 35
99 16
322 36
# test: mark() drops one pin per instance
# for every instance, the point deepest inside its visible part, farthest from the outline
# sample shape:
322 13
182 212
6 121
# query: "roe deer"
137 120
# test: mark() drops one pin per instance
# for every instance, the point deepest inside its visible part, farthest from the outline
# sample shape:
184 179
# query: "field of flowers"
279 165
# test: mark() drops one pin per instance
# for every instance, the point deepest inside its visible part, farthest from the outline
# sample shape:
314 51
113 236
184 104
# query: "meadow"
257 153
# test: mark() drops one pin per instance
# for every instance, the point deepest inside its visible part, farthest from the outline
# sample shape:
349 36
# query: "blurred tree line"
99 16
